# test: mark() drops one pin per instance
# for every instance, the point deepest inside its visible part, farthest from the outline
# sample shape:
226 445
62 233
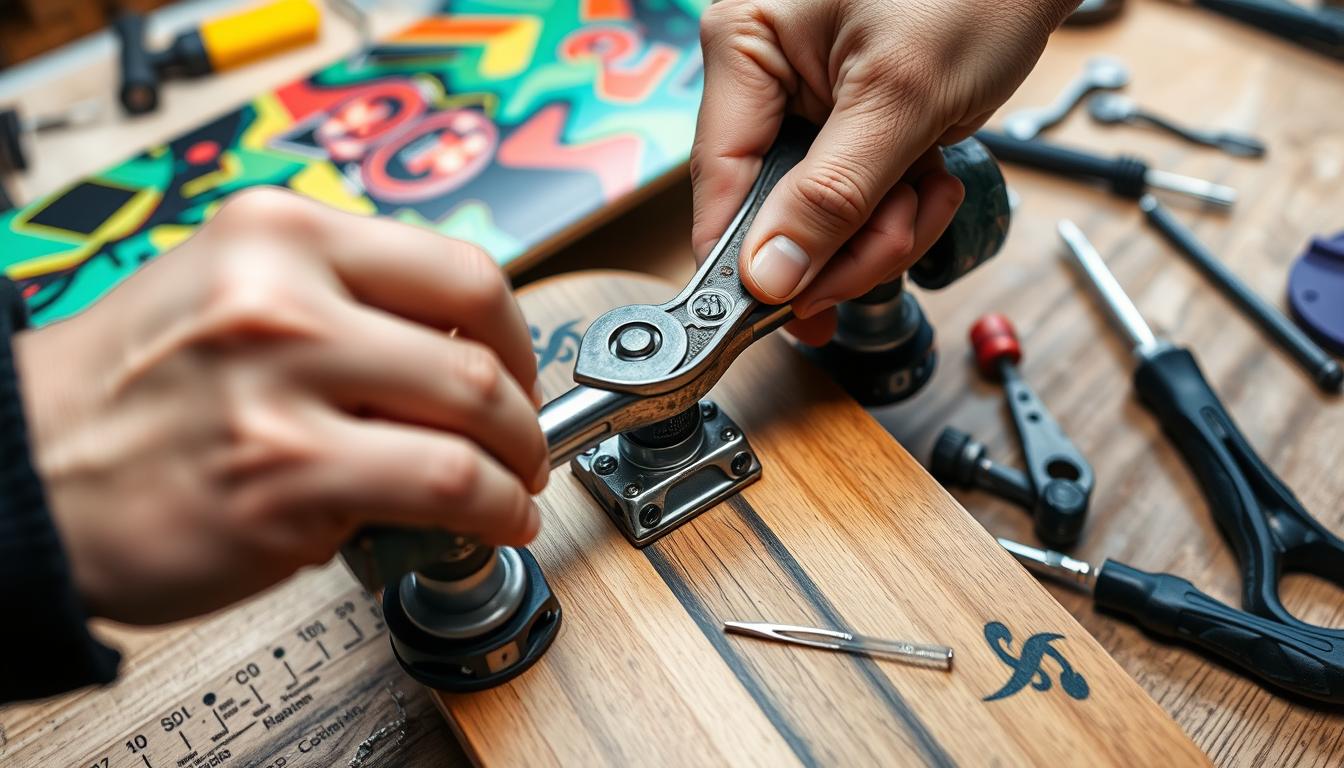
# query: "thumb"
747 79
821 203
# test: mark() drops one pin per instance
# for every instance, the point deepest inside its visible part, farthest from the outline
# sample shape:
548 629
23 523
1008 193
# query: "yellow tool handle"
244 37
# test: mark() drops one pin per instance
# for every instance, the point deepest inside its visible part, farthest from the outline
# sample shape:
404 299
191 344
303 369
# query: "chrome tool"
916 654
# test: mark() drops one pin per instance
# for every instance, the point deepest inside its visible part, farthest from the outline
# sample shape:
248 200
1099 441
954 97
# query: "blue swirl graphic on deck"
1027 667
559 347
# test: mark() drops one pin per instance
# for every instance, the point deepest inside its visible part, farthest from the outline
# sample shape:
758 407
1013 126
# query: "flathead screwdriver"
1265 524
1172 607
1127 176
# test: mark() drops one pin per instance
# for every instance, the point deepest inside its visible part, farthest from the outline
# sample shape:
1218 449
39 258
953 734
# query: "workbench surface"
1146 510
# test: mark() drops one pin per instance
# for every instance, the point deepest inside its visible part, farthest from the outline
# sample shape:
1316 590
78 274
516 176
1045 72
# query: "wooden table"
1146 509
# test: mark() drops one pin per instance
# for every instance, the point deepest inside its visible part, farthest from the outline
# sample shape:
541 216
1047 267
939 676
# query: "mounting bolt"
632 490
604 464
650 515
741 463
728 434
709 306
708 410
636 342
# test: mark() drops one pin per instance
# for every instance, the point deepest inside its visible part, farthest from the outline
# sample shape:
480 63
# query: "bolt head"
632 490
710 305
650 515
708 410
636 341
728 434
604 464
741 463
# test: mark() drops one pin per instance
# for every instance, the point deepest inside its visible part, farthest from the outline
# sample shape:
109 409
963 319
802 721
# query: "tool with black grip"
463 616
1320 29
1126 175
1058 482
1324 370
215 46
1169 606
1267 527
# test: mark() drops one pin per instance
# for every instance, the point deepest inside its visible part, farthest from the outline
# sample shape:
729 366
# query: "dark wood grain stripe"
716 637
932 751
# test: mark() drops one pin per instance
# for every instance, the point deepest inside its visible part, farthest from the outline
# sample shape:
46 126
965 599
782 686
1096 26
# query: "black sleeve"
45 646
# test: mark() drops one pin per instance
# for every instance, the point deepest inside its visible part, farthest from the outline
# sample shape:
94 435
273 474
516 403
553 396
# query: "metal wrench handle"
648 350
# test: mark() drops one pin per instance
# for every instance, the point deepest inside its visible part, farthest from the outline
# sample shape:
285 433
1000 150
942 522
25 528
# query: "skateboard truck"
1058 482
653 479
642 372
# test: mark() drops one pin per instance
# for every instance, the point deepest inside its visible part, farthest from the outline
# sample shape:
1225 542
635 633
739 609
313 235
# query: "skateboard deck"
515 124
844 530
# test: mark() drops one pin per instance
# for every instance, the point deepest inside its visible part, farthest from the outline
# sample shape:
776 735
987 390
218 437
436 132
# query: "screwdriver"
1323 369
1171 607
1128 176
1266 525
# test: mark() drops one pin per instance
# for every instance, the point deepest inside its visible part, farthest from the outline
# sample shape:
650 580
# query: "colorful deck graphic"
503 122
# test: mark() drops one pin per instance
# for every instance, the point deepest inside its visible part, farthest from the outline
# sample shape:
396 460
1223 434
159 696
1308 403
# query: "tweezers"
917 654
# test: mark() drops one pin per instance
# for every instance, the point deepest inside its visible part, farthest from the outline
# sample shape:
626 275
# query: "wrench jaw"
1100 73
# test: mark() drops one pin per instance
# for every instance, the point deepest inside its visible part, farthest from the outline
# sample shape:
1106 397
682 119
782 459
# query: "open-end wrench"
1100 73
1117 108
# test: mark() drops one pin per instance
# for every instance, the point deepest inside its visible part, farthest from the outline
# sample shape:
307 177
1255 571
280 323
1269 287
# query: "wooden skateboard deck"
844 530
514 124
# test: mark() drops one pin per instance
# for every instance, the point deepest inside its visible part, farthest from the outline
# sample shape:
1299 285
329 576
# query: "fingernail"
538 396
778 266
533 523
541 478
816 308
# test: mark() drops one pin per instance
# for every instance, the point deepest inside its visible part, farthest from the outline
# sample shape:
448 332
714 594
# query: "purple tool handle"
1316 291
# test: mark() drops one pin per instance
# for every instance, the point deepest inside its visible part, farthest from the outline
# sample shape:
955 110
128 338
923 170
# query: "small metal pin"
916 654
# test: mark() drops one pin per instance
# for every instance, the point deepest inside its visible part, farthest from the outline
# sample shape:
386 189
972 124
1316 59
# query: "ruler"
314 695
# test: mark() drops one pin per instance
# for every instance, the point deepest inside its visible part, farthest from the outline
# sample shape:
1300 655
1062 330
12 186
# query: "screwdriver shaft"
1123 311
1207 191
1053 565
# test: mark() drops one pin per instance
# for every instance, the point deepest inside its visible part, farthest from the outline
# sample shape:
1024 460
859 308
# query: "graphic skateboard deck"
515 124
845 531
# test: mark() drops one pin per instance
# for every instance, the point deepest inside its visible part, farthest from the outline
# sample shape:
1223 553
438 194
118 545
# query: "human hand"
889 81
236 409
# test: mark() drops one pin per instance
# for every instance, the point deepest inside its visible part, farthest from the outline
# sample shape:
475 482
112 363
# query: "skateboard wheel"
477 662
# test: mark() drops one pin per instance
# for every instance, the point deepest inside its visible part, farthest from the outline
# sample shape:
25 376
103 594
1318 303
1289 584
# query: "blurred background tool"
1316 291
917 654
215 46
15 129
1267 527
1099 73
1323 369
1095 12
1058 482
1117 109
1294 659
1127 176
1320 29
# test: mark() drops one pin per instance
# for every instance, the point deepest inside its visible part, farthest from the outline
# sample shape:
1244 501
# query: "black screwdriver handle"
1125 174
1295 659
1265 524
1319 29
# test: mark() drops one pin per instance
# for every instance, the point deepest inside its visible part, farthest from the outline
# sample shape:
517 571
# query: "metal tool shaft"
1323 368
1053 565
1207 191
1122 309
917 654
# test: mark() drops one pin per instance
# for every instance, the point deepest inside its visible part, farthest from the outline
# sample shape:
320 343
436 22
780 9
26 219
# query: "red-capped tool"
1058 482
